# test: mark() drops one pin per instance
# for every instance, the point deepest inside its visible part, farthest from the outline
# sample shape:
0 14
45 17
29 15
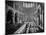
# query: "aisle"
21 29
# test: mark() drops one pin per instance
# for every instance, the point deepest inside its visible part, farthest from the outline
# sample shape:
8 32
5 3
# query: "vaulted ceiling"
27 11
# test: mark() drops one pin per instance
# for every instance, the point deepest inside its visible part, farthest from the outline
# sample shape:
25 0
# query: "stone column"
14 5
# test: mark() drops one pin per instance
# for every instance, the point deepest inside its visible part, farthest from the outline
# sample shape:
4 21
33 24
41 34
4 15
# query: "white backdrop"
2 17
